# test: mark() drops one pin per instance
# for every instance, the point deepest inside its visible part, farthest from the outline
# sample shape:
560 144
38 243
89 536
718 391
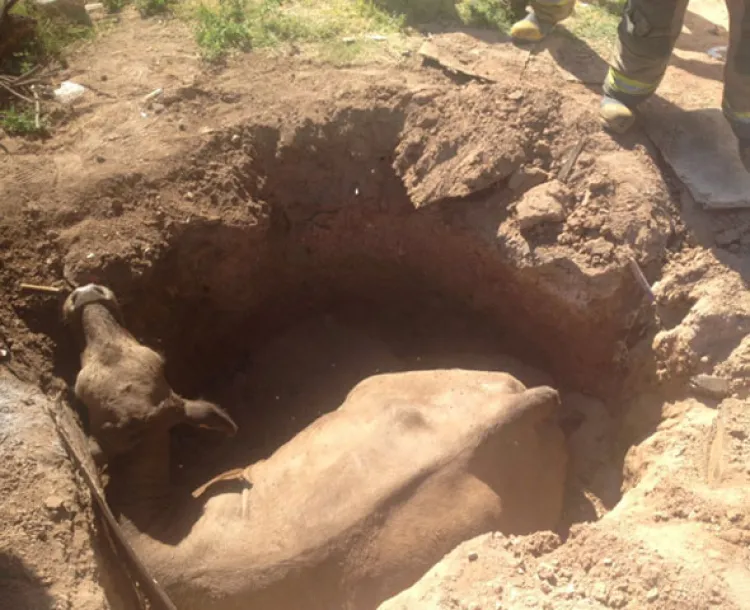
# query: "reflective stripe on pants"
646 37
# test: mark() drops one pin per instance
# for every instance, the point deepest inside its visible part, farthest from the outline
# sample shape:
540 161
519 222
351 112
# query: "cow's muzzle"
86 295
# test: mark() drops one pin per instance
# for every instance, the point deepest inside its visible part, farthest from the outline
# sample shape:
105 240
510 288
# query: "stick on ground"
45 289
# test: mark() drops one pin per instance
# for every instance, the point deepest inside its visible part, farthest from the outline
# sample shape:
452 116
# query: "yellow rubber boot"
529 29
615 115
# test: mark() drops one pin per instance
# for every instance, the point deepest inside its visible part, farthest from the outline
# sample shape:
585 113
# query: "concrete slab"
702 150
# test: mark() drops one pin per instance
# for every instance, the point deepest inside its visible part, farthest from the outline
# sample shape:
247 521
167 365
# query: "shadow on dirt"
20 588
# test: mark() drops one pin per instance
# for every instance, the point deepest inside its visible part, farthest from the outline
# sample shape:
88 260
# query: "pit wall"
262 219
266 221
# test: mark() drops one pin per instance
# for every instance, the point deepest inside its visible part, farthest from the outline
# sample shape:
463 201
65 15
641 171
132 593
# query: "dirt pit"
279 356
279 259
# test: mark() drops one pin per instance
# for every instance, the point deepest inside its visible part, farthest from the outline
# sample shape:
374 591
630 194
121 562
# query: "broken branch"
571 160
12 91
37 108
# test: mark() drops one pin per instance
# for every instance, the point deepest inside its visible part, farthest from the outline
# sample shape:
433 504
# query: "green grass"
20 122
114 6
254 24
223 26
149 8
491 14
596 23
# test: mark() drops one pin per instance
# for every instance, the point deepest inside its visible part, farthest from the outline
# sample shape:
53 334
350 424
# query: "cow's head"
86 295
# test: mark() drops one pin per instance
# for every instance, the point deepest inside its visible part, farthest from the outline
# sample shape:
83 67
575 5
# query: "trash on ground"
69 91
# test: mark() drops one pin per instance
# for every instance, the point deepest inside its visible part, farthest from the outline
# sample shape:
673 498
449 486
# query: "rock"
525 178
55 505
599 593
711 385
652 595
600 248
618 599
473 556
539 206
547 573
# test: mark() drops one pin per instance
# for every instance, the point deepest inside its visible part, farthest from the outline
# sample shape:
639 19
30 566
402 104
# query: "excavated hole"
339 279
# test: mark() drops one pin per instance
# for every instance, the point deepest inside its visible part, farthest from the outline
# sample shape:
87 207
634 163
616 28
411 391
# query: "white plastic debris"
69 91
719 53
94 7
377 37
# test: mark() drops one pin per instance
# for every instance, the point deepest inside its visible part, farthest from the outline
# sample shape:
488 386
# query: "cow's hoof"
85 295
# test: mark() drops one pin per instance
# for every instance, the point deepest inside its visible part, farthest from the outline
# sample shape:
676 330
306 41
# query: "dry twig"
45 289
12 91
37 108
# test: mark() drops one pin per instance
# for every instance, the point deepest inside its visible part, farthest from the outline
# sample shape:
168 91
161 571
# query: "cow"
122 382
346 514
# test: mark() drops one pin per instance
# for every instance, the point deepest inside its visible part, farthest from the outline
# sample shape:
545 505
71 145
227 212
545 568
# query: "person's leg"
737 76
542 17
646 37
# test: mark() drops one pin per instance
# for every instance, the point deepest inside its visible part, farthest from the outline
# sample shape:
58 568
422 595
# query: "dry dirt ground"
281 229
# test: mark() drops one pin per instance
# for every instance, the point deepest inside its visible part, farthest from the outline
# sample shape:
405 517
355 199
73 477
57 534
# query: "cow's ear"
204 414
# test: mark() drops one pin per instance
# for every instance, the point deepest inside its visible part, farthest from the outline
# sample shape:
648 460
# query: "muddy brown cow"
355 508
122 382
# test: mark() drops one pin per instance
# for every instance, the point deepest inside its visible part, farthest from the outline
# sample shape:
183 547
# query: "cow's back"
361 503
